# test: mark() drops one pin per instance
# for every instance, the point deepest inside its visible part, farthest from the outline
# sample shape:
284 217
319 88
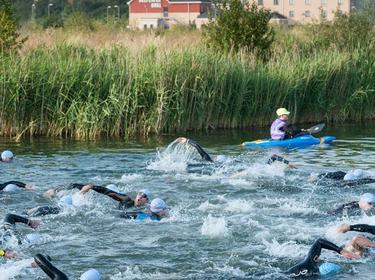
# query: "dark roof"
276 15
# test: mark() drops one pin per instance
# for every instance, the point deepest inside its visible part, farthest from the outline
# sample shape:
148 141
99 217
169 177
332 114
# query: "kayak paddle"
316 128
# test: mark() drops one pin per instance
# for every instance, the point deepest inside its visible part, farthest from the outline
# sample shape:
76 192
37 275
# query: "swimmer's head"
7 156
66 201
112 187
158 207
143 196
354 175
327 268
10 188
31 238
367 201
91 274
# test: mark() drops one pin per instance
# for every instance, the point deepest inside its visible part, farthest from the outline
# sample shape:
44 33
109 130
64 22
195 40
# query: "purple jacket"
276 132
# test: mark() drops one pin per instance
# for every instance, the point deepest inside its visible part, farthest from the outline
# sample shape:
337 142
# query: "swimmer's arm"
320 244
13 219
362 228
7 254
17 183
114 195
129 215
49 268
200 150
280 159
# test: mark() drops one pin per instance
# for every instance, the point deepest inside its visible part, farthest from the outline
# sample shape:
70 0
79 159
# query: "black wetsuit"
363 228
352 208
49 268
277 158
309 266
8 229
339 176
18 184
200 150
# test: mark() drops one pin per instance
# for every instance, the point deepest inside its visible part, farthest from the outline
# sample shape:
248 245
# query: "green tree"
240 27
9 37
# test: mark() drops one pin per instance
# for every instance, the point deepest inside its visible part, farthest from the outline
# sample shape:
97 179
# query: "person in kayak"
158 210
280 129
12 186
309 266
44 262
125 201
366 202
340 178
7 156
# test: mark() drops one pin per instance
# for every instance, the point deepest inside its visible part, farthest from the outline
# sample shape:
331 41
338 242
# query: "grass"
86 85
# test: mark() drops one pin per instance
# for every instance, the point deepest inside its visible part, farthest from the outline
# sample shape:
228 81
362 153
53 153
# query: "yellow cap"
282 111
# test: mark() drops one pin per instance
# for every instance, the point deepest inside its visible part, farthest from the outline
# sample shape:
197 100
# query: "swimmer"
7 156
278 158
352 178
54 273
125 201
366 202
358 227
7 254
202 153
12 186
64 203
309 266
54 191
158 210
8 227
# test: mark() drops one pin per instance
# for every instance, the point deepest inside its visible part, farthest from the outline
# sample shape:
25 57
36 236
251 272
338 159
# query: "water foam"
214 227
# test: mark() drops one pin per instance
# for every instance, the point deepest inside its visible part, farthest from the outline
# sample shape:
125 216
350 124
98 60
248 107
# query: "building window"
291 2
324 13
324 2
339 2
307 2
291 14
260 2
276 2
165 11
307 14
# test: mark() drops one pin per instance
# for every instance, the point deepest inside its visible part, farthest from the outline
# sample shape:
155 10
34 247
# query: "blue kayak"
301 141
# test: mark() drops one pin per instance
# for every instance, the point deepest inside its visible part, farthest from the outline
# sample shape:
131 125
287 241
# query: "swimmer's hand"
50 193
29 187
292 166
182 140
34 223
86 188
343 228
349 255
10 254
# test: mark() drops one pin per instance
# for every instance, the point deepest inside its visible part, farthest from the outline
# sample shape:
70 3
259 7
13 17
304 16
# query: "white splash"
12 269
214 227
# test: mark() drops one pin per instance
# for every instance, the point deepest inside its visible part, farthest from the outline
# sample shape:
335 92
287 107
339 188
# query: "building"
145 14
306 11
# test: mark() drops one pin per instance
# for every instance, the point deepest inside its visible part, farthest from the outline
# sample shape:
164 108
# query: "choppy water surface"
240 220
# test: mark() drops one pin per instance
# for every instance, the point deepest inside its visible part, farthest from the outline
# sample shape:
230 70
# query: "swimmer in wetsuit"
6 156
158 210
55 274
309 266
8 227
11 186
339 178
365 203
7 254
125 201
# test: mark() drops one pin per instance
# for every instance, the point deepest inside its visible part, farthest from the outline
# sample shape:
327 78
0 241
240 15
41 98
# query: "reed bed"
84 92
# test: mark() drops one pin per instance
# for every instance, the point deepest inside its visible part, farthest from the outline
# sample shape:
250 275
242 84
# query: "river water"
239 219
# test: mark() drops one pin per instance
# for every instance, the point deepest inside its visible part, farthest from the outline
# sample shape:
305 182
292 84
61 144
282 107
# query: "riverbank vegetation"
115 82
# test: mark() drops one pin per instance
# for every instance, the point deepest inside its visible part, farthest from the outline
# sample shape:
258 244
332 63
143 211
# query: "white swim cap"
66 200
91 274
32 238
158 205
354 175
10 188
368 197
7 155
146 192
112 187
